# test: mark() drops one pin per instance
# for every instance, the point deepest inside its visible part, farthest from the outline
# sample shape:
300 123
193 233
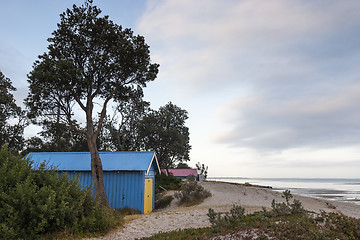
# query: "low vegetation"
284 221
38 202
165 182
163 201
286 208
191 192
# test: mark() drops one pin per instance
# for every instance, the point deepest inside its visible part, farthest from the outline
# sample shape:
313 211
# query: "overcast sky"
272 87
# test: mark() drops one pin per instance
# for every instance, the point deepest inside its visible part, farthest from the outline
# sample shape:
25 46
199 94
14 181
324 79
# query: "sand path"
224 196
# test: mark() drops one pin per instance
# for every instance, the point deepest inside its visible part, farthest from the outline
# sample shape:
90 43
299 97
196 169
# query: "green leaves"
10 133
90 61
164 131
34 202
192 192
286 208
228 220
89 58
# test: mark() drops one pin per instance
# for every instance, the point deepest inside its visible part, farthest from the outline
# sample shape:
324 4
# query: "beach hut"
129 177
181 173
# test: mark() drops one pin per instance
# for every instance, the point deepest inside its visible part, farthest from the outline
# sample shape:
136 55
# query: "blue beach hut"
129 177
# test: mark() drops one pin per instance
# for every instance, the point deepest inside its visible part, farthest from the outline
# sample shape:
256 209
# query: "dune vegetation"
43 204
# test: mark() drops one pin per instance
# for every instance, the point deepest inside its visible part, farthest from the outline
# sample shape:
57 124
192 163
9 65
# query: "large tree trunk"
97 172
96 165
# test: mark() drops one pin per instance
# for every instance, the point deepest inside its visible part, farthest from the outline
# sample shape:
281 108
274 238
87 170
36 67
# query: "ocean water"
332 189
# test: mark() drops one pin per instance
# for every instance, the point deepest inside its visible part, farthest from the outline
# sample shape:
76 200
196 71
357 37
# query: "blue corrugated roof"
111 161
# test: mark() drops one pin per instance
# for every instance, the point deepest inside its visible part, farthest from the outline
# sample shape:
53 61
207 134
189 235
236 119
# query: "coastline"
345 190
224 196
256 197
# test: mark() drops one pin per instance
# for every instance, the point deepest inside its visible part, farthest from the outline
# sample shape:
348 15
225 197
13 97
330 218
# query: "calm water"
344 190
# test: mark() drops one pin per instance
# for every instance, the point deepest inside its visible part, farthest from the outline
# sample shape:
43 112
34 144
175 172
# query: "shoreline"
345 190
224 196
254 196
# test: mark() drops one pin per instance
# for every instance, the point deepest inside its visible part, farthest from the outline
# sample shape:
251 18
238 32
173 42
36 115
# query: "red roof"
181 172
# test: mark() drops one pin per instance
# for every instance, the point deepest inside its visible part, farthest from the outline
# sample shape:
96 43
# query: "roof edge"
157 164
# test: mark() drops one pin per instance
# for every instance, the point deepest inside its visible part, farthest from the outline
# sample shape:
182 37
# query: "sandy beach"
224 196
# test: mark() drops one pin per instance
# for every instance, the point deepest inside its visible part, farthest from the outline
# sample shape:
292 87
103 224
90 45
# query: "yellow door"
148 195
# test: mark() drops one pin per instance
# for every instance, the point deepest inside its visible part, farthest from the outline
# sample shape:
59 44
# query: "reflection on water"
345 190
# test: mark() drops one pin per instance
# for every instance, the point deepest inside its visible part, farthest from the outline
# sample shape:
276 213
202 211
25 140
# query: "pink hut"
181 173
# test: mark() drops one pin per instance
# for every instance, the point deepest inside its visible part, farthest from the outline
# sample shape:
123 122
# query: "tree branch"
77 99
103 113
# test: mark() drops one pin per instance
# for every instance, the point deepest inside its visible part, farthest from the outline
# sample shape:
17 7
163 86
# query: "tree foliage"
164 132
34 202
12 121
91 61
56 137
182 165
121 131
203 169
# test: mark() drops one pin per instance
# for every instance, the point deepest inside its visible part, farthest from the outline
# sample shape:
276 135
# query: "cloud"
213 43
297 59
267 122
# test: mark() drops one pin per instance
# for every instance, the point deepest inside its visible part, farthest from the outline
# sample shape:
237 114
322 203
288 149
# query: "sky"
271 86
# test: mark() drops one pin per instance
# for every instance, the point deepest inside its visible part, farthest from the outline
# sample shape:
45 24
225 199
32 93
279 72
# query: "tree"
164 132
203 169
59 137
56 137
121 131
90 63
12 121
183 165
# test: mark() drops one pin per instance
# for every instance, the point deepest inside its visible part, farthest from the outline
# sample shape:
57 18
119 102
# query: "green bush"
34 202
286 208
163 201
227 220
192 192
166 182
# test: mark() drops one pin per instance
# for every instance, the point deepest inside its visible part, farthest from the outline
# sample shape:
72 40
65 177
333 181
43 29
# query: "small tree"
286 208
90 62
203 169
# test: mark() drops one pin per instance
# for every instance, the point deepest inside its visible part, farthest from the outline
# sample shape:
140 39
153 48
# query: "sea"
331 189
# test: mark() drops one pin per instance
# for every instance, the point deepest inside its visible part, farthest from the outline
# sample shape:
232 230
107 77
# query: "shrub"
265 225
286 208
227 220
163 201
34 202
192 192
167 182
235 217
